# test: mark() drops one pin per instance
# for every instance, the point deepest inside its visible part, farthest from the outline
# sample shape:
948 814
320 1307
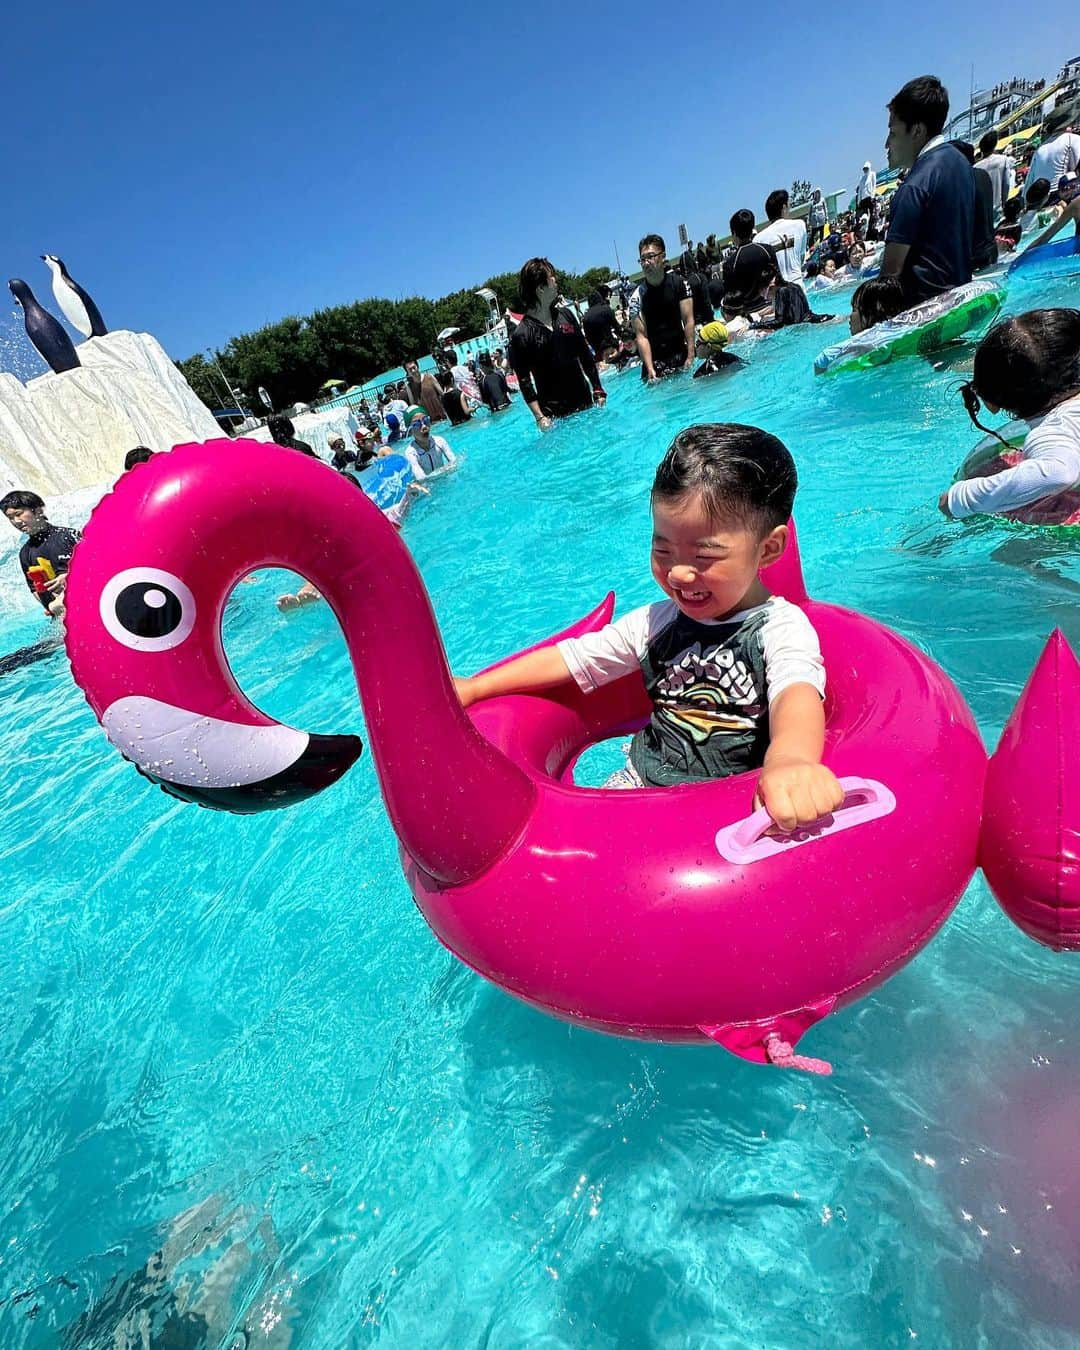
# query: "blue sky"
204 169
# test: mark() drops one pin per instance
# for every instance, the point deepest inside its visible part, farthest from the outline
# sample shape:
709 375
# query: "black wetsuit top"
717 362
747 274
554 366
660 308
699 290
55 542
599 326
455 409
494 390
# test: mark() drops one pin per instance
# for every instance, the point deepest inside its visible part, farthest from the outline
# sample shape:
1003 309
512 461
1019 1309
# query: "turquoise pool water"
249 1100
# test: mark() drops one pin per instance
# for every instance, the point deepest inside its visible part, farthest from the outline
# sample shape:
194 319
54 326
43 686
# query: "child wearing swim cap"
734 674
1029 367
712 338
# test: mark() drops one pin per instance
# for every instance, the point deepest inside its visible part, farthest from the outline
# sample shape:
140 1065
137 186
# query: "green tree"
204 380
293 357
283 357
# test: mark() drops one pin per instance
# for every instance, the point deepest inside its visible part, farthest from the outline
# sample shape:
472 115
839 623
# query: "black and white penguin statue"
75 305
46 333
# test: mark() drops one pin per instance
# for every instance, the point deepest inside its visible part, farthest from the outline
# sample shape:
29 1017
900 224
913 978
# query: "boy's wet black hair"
1026 365
740 472
879 299
21 501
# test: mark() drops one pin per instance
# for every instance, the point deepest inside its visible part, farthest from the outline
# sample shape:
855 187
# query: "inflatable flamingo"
669 914
1029 848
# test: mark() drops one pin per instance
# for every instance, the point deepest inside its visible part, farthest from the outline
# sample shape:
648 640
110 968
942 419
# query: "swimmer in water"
734 674
712 338
47 549
1029 367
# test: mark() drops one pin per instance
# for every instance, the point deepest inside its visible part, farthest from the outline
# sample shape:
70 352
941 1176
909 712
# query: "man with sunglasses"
662 312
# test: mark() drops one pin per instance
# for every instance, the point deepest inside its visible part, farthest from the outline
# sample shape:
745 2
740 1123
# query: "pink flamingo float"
667 914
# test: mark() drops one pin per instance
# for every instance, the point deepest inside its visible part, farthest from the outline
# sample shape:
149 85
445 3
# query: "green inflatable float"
918 331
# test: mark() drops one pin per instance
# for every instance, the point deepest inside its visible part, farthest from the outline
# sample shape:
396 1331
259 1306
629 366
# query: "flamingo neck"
455 801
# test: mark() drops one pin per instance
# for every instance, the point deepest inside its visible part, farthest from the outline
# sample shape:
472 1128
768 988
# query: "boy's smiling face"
709 567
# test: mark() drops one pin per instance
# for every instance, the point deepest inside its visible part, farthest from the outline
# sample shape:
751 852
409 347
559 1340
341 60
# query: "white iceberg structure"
62 432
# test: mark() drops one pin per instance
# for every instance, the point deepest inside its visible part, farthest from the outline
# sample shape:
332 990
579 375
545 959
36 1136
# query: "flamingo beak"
230 766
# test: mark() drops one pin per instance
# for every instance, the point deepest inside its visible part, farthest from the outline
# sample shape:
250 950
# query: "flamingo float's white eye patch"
147 609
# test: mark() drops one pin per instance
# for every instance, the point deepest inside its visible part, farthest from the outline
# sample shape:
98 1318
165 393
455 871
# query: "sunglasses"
420 422
649 257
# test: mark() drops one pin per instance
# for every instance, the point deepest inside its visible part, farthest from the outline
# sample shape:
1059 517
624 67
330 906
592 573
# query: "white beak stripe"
190 750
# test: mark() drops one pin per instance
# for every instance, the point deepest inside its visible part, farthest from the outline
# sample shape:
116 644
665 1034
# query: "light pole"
232 392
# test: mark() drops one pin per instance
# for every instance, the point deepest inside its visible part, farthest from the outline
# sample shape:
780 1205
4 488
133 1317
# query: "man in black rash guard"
749 270
554 364
599 324
53 544
662 312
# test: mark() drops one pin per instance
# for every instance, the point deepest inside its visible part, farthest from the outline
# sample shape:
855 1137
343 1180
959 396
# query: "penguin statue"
75 305
46 333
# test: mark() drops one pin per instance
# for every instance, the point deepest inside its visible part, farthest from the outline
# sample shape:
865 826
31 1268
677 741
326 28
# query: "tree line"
293 357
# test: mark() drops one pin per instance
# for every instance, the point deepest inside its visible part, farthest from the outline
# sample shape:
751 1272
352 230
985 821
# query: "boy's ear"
772 546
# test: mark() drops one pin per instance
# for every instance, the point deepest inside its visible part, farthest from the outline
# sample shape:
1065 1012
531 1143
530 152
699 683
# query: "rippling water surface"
249 1100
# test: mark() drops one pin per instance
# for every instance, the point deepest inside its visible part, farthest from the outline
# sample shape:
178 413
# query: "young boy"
51 544
734 674
712 338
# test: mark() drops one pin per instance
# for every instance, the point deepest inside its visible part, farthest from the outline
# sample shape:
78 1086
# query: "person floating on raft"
1030 367
734 674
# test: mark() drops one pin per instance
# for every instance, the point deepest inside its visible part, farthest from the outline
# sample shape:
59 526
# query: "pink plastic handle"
756 837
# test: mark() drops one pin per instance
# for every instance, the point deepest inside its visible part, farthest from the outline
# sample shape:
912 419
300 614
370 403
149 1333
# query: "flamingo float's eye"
147 609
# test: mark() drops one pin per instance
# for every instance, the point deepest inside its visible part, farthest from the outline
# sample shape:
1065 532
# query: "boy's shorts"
625 778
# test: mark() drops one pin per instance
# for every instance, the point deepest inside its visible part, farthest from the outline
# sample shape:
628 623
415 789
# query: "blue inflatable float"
1059 258
386 481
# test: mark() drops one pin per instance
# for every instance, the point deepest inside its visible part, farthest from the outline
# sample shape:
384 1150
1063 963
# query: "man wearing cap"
866 190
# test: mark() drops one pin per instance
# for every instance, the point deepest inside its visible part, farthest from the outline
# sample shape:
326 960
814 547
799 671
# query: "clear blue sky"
204 169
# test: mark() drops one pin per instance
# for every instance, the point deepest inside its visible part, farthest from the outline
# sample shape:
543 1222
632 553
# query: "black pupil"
144 619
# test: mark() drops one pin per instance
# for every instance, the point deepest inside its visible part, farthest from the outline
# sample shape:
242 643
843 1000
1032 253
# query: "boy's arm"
541 669
795 787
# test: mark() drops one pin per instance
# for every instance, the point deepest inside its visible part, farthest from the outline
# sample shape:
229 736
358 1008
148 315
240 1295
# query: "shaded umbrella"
332 384
447 332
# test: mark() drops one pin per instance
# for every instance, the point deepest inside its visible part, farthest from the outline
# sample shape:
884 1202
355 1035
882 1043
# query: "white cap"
867 165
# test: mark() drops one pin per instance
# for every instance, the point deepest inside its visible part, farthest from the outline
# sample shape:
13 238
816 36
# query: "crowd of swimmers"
735 675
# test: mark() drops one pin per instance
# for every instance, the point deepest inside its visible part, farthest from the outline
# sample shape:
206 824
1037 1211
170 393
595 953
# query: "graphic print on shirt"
707 691
710 714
